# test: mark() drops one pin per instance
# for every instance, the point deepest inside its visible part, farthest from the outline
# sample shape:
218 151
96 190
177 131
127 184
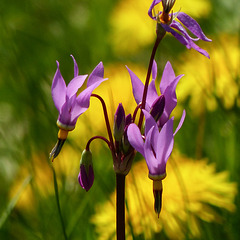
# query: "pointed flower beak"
56 149
62 136
157 192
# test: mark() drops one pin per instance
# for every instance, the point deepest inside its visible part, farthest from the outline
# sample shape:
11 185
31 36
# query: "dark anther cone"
56 150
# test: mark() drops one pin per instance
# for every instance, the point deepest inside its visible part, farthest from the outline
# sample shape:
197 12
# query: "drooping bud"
86 174
62 136
119 123
157 108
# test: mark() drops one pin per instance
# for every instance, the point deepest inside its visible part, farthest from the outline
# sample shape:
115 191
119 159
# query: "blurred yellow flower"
117 89
66 166
209 83
190 191
132 28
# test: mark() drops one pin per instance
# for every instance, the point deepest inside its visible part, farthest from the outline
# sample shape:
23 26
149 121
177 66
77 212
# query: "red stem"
158 40
96 137
120 202
107 122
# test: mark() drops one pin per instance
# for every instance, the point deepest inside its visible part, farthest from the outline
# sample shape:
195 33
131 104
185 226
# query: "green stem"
120 203
58 203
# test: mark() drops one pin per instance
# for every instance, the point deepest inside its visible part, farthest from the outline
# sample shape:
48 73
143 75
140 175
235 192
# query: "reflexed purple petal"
65 114
170 95
75 84
178 36
150 156
149 122
154 70
96 75
76 71
170 100
181 29
58 89
83 98
155 2
167 77
151 93
137 86
192 25
165 141
135 138
200 50
180 122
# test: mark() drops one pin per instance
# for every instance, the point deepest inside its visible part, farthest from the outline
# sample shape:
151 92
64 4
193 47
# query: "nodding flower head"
160 107
70 105
166 21
156 147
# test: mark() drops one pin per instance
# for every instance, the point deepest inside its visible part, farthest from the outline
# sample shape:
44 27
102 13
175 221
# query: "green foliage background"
33 34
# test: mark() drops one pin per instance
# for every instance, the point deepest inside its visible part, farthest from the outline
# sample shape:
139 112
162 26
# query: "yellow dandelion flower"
190 191
207 82
132 28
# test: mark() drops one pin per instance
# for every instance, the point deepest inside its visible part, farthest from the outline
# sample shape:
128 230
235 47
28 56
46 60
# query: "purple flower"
70 105
86 174
157 147
167 88
168 23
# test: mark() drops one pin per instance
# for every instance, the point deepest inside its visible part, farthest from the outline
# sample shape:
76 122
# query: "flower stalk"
144 97
106 121
120 203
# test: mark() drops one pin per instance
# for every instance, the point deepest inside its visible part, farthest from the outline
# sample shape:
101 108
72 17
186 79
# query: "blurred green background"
36 33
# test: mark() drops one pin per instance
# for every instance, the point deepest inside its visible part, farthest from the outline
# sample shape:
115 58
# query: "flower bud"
86 174
128 119
157 108
125 143
119 123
